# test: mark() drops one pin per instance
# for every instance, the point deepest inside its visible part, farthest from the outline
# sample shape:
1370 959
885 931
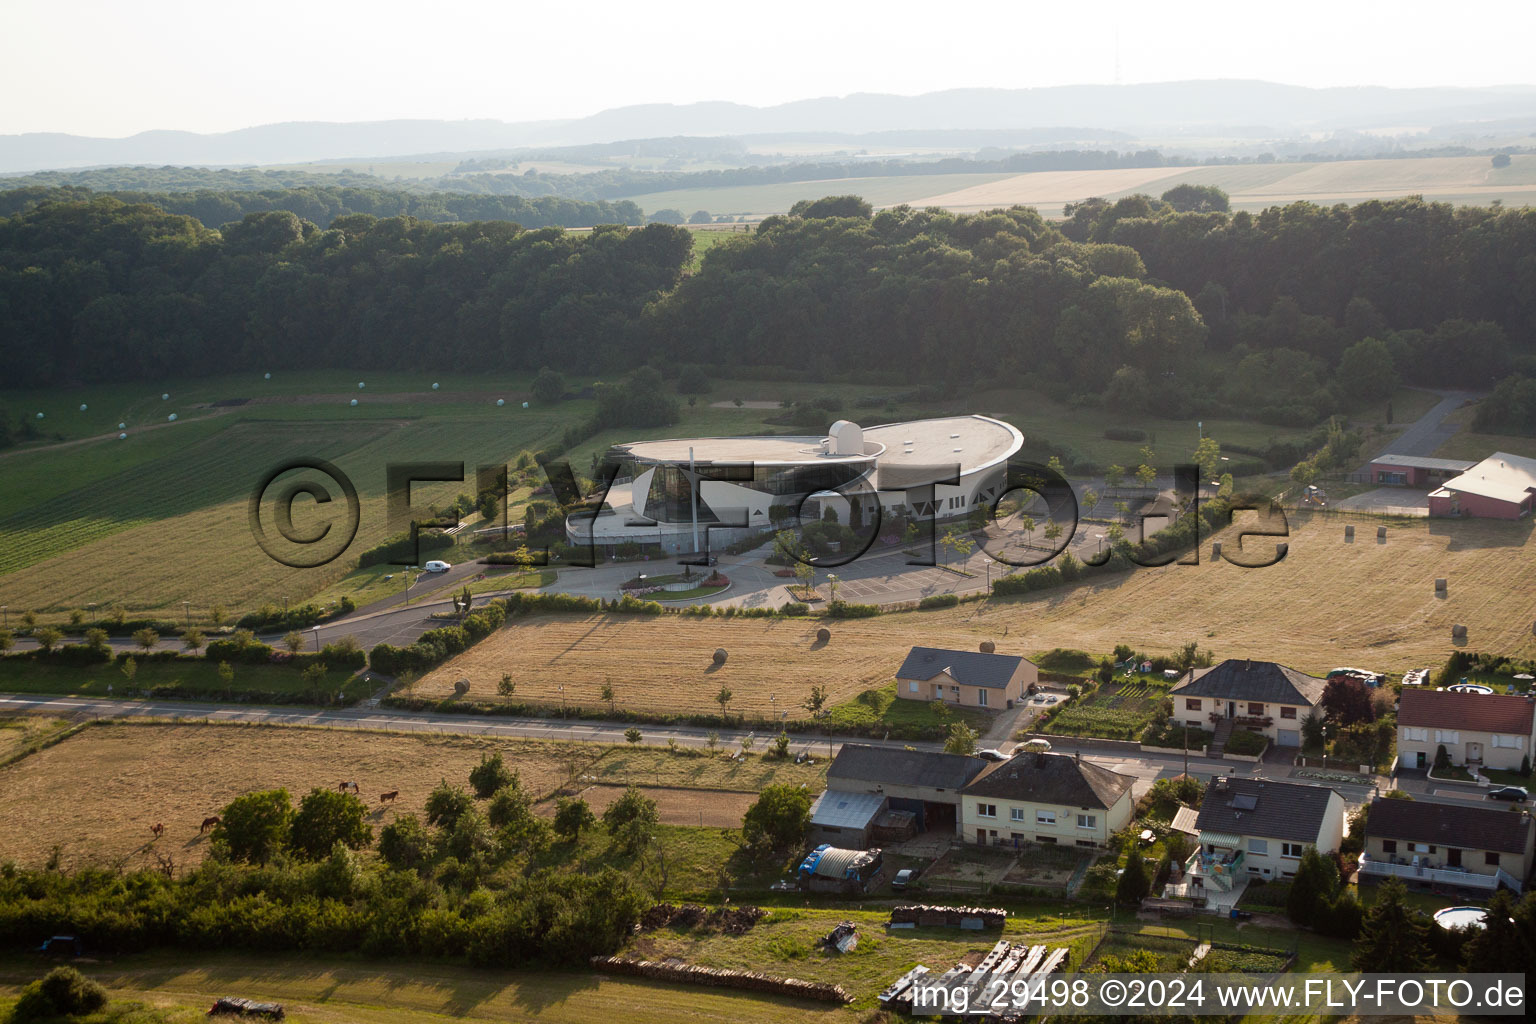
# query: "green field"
23 675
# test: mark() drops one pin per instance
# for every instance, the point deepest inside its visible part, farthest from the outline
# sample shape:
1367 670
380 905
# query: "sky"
113 68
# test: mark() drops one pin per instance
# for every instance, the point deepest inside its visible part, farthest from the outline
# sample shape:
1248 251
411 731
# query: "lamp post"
316 630
832 587
562 700
988 563
186 606
1100 537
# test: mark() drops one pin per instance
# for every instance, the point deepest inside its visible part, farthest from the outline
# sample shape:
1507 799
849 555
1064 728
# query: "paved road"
1429 431
1146 768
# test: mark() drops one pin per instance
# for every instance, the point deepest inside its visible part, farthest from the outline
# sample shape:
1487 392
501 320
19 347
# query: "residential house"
1465 845
1259 696
1256 828
1036 797
973 679
1487 730
927 783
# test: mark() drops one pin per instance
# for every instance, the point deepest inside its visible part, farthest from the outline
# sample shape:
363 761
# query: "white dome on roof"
845 438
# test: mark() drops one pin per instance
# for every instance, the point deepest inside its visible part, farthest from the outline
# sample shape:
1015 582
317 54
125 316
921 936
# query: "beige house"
1256 828
1045 798
972 679
1464 845
1487 730
1259 696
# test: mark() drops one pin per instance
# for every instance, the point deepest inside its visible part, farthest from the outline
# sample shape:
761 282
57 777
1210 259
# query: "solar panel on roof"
1245 801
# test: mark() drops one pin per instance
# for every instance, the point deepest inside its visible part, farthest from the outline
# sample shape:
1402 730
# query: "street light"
1101 543
316 630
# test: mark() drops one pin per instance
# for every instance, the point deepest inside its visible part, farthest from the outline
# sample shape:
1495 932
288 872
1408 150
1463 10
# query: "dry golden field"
1328 603
96 794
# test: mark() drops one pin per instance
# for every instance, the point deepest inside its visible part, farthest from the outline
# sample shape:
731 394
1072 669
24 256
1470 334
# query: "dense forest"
322 204
103 290
1171 303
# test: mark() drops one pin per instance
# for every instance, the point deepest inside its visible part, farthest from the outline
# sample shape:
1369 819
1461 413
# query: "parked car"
1516 793
903 878
991 754
436 566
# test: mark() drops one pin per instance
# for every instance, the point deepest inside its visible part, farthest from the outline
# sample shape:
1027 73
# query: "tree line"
323 204
1167 304
98 289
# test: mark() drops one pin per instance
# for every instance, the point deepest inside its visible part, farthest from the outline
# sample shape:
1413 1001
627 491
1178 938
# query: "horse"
387 797
157 829
208 823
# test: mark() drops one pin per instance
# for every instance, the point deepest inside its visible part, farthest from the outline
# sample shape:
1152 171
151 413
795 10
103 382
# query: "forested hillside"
1141 304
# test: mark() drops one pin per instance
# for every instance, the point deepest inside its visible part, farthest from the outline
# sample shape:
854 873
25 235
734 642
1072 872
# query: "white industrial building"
891 466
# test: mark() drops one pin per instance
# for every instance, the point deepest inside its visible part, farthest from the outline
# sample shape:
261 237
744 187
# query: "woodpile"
924 916
730 920
720 977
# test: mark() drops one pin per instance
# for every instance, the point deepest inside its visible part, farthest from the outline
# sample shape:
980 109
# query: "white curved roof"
974 442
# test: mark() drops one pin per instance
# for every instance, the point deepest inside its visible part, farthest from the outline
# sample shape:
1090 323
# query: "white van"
436 566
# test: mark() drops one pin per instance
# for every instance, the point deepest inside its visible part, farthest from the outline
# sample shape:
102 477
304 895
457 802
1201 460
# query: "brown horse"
208 823
157 829
387 797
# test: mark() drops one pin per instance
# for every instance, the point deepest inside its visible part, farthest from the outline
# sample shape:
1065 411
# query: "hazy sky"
115 67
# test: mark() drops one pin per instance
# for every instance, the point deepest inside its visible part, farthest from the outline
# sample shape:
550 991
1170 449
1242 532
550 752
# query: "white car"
436 566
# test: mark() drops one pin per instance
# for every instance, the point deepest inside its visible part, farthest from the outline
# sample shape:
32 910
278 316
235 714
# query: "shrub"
404 843
62 992
779 817
1246 743
255 826
233 650
326 817
489 776
1170 733
939 601
844 610
446 804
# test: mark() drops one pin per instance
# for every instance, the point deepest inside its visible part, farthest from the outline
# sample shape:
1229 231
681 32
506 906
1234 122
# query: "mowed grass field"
1327 603
341 991
178 774
1462 180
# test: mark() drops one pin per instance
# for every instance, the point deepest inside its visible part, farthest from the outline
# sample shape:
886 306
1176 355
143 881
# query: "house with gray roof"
975 679
1259 696
1469 846
1055 799
927 783
1258 828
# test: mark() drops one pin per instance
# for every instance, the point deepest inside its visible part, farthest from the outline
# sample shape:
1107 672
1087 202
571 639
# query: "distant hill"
1245 107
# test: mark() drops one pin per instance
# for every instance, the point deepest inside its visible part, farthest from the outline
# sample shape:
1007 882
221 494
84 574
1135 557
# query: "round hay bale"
987 647
719 656
823 634
460 687
1440 586
1458 632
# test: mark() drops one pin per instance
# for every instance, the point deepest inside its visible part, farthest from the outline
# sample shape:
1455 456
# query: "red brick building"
1502 486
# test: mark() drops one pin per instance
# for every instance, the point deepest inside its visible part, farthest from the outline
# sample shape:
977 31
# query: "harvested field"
96 794
664 665
710 808
1327 603
17 734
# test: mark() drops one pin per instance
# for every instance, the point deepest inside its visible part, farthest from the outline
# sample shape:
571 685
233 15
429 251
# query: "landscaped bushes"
845 610
938 601
1169 733
272 620
1245 743
69 654
248 653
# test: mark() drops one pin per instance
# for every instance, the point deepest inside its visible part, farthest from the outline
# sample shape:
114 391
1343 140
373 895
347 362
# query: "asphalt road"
1145 768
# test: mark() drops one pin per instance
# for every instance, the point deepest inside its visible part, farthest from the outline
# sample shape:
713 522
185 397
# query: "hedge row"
270 620
400 551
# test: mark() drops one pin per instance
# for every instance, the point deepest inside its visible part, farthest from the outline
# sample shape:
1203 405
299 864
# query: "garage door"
1288 738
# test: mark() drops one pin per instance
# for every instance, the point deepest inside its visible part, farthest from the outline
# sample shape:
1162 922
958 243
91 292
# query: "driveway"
1430 431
